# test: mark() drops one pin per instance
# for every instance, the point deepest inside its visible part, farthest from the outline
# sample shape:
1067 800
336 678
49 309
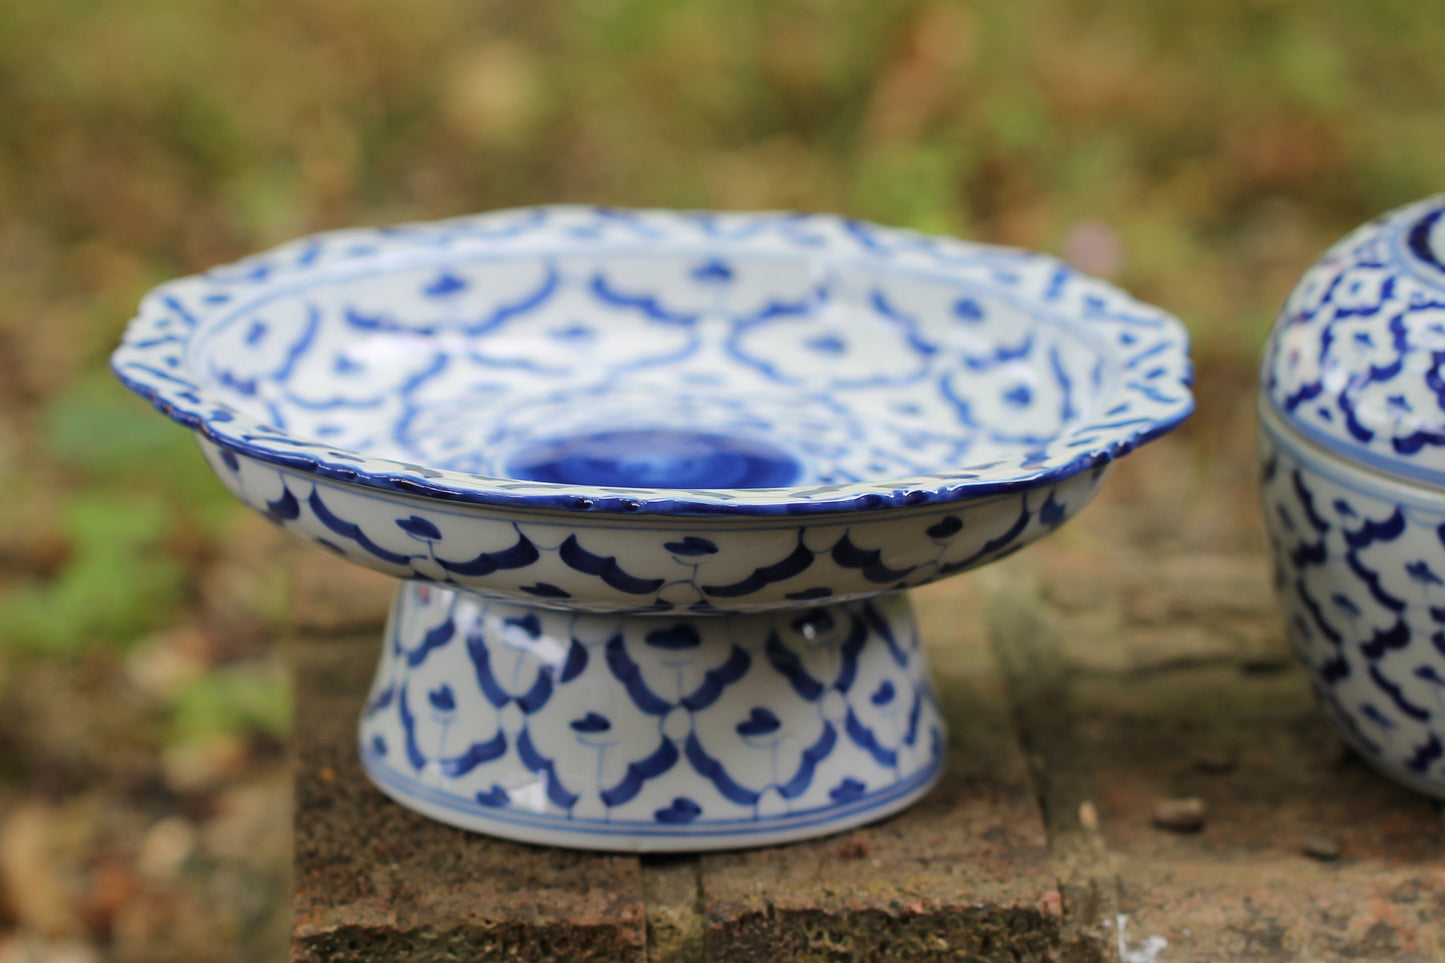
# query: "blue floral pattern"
889 369
1357 359
1359 561
697 565
599 727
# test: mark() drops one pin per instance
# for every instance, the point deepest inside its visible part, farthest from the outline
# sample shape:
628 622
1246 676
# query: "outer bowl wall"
620 563
1360 566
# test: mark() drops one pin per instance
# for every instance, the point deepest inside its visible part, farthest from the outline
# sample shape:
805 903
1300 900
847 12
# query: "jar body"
1360 567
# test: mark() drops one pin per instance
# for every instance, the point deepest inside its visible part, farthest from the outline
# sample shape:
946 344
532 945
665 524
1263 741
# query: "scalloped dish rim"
141 360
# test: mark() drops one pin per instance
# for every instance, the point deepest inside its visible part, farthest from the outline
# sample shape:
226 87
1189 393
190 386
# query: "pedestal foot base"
650 733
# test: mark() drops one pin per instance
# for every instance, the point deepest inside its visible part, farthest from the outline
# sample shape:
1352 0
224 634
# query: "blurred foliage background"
1200 153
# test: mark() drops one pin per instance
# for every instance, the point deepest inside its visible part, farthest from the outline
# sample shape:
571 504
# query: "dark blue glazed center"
655 458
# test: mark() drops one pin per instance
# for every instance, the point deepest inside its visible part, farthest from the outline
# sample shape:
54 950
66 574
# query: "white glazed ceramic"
656 481
1353 446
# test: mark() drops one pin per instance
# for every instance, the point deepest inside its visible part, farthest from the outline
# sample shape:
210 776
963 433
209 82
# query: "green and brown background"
1199 152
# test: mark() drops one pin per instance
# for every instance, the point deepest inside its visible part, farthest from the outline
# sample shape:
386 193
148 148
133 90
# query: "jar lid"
1356 361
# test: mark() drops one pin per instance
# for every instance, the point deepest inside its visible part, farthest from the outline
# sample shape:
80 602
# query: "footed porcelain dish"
1352 415
655 483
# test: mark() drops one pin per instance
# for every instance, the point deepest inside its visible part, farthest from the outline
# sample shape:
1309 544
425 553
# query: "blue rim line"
817 816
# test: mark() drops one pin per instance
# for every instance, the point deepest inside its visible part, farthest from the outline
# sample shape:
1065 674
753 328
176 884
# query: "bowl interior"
655 367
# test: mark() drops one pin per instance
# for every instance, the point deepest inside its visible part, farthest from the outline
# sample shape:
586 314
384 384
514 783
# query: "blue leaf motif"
691 546
682 810
883 694
1428 674
1051 513
442 698
828 344
546 590
418 527
495 797
1344 604
591 722
967 309
574 332
446 284
715 271
1422 573
847 790
678 637
1376 716
950 525
760 722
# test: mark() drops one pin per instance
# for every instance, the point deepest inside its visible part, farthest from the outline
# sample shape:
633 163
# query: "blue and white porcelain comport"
656 484
1352 445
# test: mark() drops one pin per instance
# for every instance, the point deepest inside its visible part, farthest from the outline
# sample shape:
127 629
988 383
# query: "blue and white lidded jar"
1352 442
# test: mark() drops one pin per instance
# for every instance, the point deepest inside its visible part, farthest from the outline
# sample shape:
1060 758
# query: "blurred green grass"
1202 153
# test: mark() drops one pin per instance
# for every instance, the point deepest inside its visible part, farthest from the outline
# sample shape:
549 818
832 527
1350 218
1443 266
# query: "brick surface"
1154 666
375 882
1244 886
1247 739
